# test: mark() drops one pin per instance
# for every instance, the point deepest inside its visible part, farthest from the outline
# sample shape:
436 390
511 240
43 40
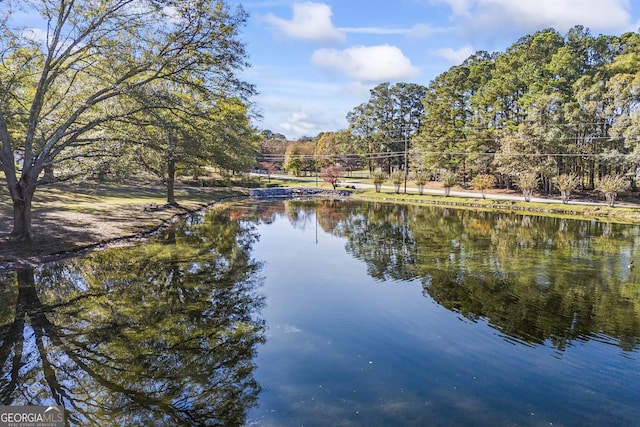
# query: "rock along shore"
267 193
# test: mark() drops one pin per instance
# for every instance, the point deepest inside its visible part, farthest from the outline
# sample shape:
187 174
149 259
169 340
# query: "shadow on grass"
66 220
82 194
58 232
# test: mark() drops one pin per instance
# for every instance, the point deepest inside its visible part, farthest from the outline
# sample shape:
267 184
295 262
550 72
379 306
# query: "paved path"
471 194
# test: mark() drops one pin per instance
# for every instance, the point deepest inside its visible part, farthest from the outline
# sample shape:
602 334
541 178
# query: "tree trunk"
22 196
49 175
171 182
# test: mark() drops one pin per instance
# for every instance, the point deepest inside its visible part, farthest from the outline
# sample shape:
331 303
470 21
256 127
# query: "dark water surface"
332 313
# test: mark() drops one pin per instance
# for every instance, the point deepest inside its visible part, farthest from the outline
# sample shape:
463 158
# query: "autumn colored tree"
327 150
269 167
299 158
273 150
332 175
483 182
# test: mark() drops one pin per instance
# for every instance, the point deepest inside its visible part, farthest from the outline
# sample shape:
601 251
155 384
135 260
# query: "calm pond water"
317 313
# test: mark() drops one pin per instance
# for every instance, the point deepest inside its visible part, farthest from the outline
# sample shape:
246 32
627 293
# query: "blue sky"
314 61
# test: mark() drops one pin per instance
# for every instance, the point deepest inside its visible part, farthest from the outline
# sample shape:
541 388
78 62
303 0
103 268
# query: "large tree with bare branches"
67 79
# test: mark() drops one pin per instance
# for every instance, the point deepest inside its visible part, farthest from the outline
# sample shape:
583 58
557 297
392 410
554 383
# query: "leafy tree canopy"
66 84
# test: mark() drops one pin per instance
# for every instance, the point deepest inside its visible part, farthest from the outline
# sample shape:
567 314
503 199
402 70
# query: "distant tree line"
549 105
549 110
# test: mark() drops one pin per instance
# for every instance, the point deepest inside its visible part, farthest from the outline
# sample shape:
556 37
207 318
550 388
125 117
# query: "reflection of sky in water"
345 349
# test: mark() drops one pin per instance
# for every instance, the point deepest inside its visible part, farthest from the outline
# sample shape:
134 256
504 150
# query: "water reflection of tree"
535 279
162 334
380 235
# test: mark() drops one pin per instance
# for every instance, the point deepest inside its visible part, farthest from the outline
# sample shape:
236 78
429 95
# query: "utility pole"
406 163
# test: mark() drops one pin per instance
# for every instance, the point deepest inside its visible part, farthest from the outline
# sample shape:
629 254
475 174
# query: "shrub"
566 183
528 182
378 179
397 177
610 186
483 182
420 178
448 179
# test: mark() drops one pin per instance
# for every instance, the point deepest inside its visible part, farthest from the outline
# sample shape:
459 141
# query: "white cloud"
564 14
526 16
303 123
458 7
310 21
455 56
421 31
322 108
375 30
37 35
366 63
418 31
295 121
359 89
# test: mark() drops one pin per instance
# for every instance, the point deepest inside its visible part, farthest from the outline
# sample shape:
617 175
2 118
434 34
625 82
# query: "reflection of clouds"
289 329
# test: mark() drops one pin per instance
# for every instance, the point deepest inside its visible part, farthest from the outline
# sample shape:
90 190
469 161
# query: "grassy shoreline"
623 212
620 214
70 218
